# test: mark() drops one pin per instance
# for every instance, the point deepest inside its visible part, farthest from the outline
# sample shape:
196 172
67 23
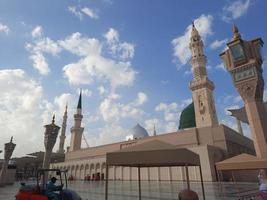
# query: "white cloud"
230 99
181 43
112 111
170 111
121 50
85 92
93 118
39 63
221 67
114 96
91 67
37 32
101 90
4 28
76 12
40 46
103 135
94 66
171 127
235 9
21 113
62 100
218 43
112 35
81 46
81 12
89 12
141 99
172 114
168 107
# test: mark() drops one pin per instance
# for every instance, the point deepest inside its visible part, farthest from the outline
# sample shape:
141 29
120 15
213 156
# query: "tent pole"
233 177
220 183
187 177
139 183
202 184
106 189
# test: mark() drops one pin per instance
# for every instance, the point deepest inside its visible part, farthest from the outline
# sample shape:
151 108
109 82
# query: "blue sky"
129 57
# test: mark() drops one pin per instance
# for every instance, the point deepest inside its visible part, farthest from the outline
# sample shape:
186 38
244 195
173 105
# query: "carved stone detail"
247 90
202 107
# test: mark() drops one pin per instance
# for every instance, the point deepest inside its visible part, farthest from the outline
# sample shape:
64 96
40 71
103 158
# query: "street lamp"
9 148
50 137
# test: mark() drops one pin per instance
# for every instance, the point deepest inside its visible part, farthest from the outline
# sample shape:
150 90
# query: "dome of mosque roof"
138 132
187 118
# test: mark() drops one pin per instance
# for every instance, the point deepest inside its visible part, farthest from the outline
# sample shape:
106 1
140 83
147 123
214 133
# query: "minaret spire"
53 119
236 33
77 130
154 131
79 106
63 131
201 87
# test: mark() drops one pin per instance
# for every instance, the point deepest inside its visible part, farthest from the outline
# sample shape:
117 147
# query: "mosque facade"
199 131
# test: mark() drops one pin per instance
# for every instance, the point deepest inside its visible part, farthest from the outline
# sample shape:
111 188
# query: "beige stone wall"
212 144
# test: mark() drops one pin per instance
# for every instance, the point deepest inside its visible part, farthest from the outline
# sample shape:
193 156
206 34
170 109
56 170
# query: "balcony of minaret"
201 83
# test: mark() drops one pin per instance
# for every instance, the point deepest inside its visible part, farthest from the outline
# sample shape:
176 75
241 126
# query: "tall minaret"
63 131
201 87
154 131
77 130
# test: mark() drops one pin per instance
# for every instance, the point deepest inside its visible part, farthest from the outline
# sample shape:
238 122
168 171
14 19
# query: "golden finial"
53 119
236 32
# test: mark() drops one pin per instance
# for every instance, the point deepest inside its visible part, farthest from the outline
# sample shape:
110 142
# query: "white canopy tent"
153 154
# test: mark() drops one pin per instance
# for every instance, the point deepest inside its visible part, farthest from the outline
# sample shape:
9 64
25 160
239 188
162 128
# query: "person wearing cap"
51 188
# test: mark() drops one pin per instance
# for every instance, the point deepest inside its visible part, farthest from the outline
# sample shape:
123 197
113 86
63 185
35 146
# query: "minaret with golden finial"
63 131
201 87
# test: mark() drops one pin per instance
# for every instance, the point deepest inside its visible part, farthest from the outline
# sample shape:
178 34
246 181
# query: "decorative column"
9 148
50 137
243 60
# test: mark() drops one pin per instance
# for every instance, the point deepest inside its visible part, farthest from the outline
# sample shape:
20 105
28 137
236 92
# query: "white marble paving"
126 190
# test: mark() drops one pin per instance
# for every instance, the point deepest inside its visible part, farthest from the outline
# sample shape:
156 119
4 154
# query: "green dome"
187 118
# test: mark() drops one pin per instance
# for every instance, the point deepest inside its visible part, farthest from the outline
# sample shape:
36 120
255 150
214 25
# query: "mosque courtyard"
128 190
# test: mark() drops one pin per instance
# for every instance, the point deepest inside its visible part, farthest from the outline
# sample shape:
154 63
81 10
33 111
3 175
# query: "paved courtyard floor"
128 190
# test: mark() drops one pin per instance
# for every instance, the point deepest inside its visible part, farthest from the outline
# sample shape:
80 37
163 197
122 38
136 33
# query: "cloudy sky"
129 57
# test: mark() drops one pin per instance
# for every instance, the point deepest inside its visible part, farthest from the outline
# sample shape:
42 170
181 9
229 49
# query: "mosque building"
199 131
